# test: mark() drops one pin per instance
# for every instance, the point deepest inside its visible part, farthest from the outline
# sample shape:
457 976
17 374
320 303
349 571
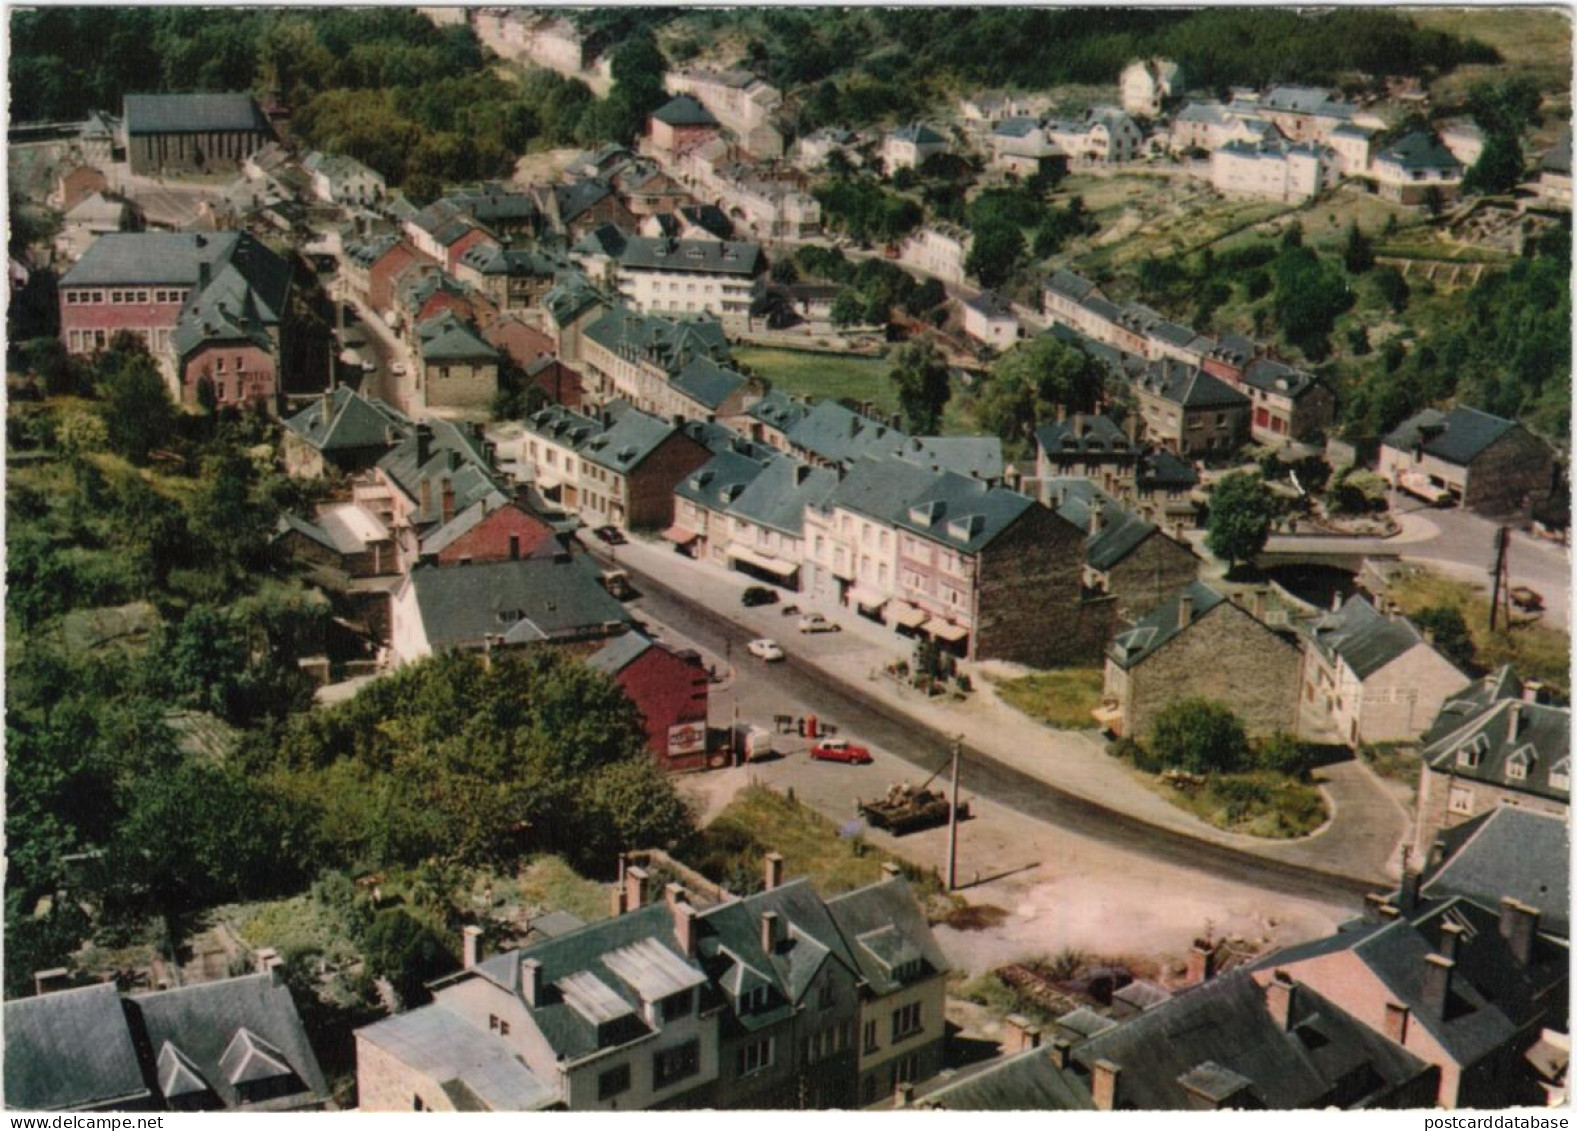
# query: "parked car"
1528 600
612 535
398 369
617 582
840 750
758 595
815 622
765 649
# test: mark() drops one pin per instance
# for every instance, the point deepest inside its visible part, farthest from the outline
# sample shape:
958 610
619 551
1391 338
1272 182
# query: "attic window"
1472 753
1518 765
755 1001
509 616
1560 775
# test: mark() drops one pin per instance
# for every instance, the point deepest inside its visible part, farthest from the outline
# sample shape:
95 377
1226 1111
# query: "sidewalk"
1359 840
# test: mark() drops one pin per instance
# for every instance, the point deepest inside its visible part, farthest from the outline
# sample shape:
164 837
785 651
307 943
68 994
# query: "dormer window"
1561 775
1472 753
1520 762
677 1006
755 1001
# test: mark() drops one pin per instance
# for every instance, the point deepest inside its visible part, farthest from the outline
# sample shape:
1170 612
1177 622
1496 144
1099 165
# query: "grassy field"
1536 42
1062 699
823 375
1259 804
730 850
1536 651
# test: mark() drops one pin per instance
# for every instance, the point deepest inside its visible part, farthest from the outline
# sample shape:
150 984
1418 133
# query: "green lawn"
1261 803
819 375
1061 699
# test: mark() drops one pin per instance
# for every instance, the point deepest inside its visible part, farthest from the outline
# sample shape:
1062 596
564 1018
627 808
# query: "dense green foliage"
1449 630
865 211
920 373
1241 510
1030 382
1199 736
874 286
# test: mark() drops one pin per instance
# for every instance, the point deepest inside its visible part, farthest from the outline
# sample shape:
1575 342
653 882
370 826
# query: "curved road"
927 749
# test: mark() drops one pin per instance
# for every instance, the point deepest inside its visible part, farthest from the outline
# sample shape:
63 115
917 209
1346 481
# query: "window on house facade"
417 1104
615 1081
869 1043
906 1021
672 1065
677 1006
1460 801
754 1057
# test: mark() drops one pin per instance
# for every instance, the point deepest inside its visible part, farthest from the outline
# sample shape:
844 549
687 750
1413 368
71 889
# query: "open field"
1061 699
1536 42
820 375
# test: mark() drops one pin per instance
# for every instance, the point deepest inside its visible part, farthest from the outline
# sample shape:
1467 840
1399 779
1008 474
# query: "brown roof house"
1199 643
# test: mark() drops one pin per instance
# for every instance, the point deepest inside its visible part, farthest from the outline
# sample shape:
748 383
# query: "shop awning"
871 599
680 536
940 629
761 561
906 615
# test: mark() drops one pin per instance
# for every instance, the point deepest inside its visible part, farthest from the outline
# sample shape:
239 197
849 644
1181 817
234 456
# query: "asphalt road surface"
795 687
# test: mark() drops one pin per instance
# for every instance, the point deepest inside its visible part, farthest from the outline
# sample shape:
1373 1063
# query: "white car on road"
765 649
815 622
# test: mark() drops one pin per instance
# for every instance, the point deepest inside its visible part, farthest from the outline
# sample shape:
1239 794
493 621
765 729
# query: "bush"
1200 736
1282 753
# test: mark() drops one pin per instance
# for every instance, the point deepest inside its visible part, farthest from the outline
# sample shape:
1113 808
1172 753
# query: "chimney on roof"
1515 714
203 269
1396 1018
447 496
801 473
1259 604
1096 517
1279 992
1058 1050
1078 424
771 931
634 888
1103 1084
269 962
1022 1034
424 442
1531 690
1372 903
471 936
1201 962
1451 940
1436 992
531 984
1185 610
1409 891
1519 926
684 928
773 870
47 981
424 494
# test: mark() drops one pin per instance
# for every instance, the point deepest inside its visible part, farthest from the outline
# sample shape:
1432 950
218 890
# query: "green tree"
924 387
1241 510
994 253
1392 287
407 953
1450 632
1310 294
846 308
1358 253
1200 736
1499 168
1029 383
1283 753
137 410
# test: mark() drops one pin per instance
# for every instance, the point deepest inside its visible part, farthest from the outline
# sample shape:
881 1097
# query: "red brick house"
680 125
669 689
385 273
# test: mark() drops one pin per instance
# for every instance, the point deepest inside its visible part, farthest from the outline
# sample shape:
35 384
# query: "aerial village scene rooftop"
781 558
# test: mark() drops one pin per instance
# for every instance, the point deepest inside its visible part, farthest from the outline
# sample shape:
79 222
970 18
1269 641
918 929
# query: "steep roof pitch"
450 338
1407 435
1189 386
1363 638
1513 852
1421 150
1023 1081
881 922
70 1050
708 383
1162 469
1081 435
625 445
619 653
1273 376
234 1032
837 434
176 258
1508 743
520 601
1464 434
682 110
1121 531
721 480
1218 1042
463 1060
779 495
778 410
713 257
205 112
1132 646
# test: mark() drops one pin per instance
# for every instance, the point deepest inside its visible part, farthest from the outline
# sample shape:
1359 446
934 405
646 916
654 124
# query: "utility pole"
1500 598
952 822
733 695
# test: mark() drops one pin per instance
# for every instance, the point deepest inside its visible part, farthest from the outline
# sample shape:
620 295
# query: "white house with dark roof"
1369 677
337 179
1146 83
1408 170
679 277
989 318
939 250
909 147
1272 170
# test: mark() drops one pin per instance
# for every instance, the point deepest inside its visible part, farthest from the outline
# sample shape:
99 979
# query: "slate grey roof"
682 110
919 134
206 112
1459 709
563 425
1511 851
571 294
722 479
1188 386
450 1050
1496 741
519 601
232 1032
1218 1042
70 1050
1023 1081
708 383
1420 150
1280 379
1132 646
978 457
619 653
1464 434
348 420
174 258
1296 99
711 257
991 304
1069 285
779 495
440 451
1161 468
840 435
778 410
1363 638
625 445
577 198
1121 532
667 343
521 263
1083 435
962 513
890 904
448 337
491 203
1407 435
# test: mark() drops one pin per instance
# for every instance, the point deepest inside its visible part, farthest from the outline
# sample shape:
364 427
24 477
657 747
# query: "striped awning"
940 629
905 614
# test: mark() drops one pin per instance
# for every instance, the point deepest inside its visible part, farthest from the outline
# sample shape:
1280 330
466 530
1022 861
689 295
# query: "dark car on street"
758 595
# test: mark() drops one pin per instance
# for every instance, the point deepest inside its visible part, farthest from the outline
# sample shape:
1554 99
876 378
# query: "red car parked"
839 750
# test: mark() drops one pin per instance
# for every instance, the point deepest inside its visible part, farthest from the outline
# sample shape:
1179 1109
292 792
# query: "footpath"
1360 840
